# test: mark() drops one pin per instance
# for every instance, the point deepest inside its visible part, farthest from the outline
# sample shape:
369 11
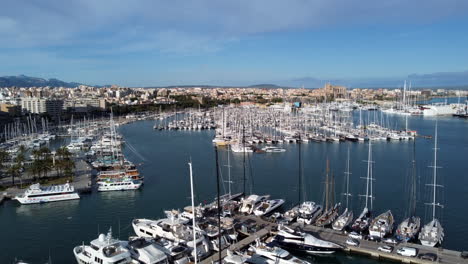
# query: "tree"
13 171
46 160
35 166
64 162
3 157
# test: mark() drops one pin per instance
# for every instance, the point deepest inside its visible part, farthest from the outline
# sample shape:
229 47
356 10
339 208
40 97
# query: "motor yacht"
303 242
103 250
249 204
268 206
308 212
175 229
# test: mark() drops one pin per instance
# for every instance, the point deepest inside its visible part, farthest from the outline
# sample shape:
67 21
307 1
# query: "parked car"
355 235
374 238
352 242
407 252
386 248
390 240
464 254
428 256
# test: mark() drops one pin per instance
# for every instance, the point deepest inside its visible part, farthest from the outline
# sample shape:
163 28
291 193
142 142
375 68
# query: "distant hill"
265 86
26 81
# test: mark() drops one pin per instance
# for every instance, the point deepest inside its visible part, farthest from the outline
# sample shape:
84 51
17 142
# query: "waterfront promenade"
82 181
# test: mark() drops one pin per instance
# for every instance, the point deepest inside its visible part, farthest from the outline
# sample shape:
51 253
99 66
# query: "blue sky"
243 42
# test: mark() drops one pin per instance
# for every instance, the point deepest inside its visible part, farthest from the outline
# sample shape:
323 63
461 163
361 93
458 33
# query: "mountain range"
27 81
449 80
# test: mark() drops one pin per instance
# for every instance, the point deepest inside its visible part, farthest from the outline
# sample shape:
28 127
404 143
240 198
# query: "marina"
139 155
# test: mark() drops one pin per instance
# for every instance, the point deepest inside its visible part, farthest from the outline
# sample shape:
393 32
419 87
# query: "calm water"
31 232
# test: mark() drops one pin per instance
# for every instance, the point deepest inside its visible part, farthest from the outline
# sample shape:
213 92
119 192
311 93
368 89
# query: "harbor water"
36 232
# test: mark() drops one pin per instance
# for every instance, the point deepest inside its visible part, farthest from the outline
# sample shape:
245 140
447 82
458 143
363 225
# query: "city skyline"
353 43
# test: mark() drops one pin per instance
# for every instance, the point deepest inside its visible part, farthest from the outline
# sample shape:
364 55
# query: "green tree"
3 158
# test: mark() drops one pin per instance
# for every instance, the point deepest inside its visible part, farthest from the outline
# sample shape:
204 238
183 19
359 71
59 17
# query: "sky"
242 42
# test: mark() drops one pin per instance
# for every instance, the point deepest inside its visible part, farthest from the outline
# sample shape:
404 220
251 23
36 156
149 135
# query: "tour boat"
37 194
119 185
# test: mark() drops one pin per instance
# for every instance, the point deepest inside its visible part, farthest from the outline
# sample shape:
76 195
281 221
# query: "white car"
352 242
355 235
407 252
390 241
387 249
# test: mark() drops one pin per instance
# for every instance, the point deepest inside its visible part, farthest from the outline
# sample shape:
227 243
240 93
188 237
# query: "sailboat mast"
219 204
347 182
243 152
193 213
435 175
327 189
229 171
368 172
300 174
413 183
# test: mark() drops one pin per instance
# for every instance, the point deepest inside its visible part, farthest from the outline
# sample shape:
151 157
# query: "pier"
366 247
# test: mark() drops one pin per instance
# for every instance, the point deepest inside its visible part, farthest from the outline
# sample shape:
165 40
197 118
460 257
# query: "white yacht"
103 250
119 185
37 194
308 212
249 204
275 254
172 228
303 242
271 149
268 206
382 225
146 252
238 148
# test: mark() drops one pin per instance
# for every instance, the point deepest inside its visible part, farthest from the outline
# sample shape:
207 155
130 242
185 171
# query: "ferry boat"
37 194
119 185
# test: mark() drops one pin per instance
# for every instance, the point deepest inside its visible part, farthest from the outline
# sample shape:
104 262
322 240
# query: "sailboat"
409 228
347 216
361 224
433 232
330 212
382 225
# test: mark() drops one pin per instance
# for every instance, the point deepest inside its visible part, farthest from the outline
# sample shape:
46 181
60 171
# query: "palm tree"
14 171
46 160
3 157
36 165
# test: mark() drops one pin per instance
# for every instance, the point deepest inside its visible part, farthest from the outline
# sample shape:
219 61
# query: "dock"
266 229
263 229
369 248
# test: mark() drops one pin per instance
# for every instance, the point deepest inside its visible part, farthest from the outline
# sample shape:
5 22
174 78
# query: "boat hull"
48 199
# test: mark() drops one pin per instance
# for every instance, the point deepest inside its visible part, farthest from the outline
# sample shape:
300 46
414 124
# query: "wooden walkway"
244 242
